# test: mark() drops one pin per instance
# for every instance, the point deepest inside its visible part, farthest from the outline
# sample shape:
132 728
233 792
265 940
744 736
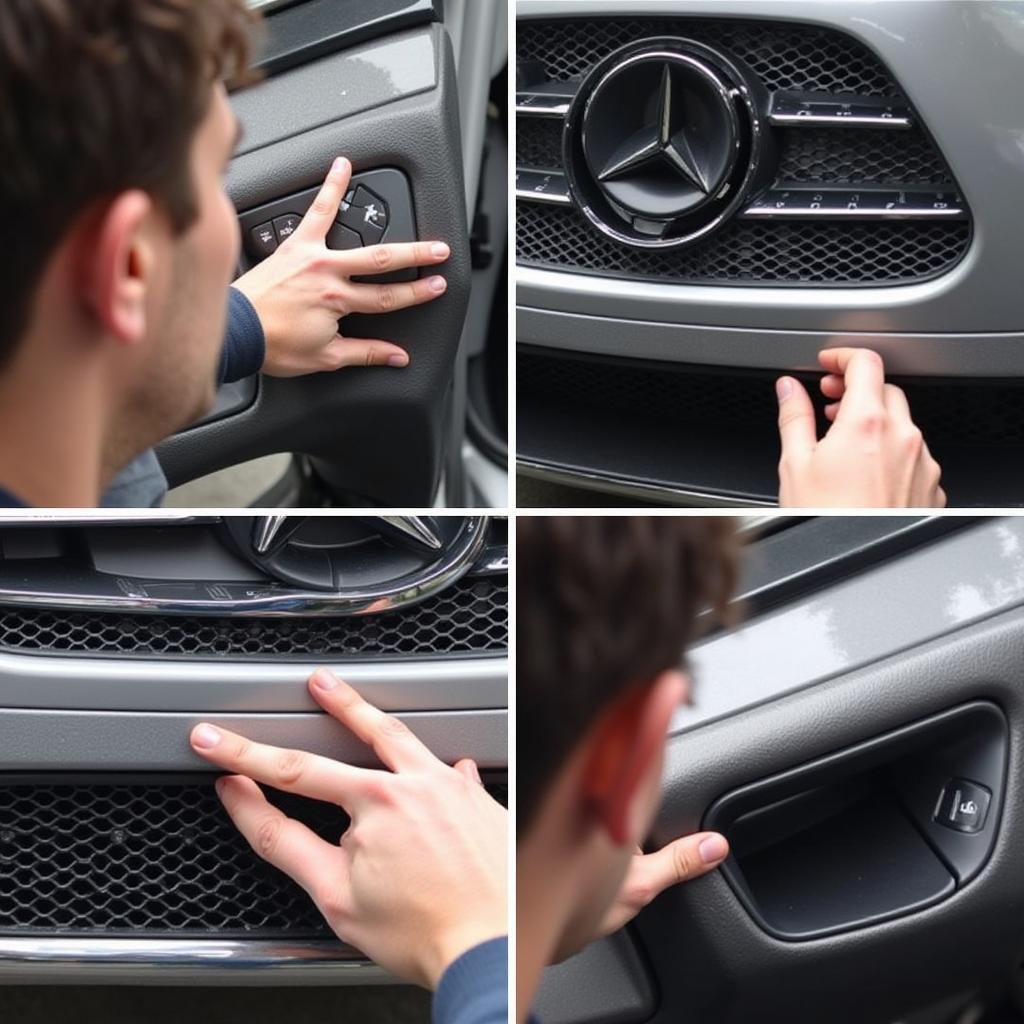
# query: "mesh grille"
972 415
539 143
147 859
856 156
783 56
559 237
848 156
471 617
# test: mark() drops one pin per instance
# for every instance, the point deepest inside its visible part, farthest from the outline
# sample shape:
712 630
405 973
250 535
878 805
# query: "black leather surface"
379 430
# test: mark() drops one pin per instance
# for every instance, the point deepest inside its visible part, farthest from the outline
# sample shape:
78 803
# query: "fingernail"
340 164
205 736
713 849
784 388
324 680
437 284
440 250
398 360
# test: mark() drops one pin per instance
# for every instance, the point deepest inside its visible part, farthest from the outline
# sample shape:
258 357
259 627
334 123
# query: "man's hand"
302 289
418 878
650 874
873 456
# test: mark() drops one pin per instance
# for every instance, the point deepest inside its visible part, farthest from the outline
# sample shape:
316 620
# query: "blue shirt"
142 482
474 989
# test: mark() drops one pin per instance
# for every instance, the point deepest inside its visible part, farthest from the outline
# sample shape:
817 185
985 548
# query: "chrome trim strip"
798 109
69 682
197 954
625 487
538 186
246 599
836 121
532 104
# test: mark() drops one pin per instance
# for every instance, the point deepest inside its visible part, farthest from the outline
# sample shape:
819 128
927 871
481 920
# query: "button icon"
963 806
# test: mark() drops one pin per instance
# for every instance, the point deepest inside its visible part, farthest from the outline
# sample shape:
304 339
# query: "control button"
264 241
286 225
341 237
963 806
347 201
368 221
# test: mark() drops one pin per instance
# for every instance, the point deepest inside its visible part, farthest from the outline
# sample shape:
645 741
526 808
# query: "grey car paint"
927 593
969 321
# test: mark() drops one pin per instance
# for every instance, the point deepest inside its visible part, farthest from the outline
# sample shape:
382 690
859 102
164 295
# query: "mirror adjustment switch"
341 237
286 225
264 241
963 806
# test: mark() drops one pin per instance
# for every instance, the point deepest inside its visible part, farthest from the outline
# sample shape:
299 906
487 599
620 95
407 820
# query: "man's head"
605 609
117 235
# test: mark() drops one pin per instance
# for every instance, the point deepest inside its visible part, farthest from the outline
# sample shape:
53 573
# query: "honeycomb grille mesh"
960 415
157 859
744 251
470 617
857 156
784 56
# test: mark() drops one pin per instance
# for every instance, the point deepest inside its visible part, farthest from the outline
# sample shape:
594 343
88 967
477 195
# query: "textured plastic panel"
470 617
153 858
731 415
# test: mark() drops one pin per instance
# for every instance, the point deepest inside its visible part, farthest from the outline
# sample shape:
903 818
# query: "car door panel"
710 957
375 434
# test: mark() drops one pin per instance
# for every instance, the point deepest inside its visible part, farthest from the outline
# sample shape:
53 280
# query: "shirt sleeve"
474 989
245 346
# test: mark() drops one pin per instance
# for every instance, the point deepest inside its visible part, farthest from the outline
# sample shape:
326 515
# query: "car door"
858 740
376 82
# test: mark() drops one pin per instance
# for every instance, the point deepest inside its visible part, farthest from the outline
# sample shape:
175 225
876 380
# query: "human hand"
872 456
303 288
650 874
419 876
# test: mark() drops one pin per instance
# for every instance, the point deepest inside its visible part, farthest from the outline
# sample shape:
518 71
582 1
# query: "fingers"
467 766
385 298
320 216
797 427
679 861
896 404
287 844
363 352
389 738
378 259
295 771
832 386
864 379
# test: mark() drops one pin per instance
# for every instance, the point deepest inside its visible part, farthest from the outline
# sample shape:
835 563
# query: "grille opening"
469 618
698 426
785 56
154 857
793 252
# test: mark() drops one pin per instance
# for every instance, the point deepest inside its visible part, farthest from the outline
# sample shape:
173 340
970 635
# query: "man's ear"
117 264
626 744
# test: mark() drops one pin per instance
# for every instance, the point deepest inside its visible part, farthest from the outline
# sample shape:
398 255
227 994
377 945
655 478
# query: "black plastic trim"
300 34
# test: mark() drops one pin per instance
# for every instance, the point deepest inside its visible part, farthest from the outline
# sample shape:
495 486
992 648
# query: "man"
605 609
418 881
120 243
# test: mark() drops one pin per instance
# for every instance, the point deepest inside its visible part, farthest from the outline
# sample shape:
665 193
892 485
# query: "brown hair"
97 97
603 603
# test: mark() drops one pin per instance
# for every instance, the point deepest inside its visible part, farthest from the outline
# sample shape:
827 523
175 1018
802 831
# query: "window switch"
963 806
263 239
286 225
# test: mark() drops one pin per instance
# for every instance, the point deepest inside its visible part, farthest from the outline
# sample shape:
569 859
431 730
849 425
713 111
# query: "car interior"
857 739
413 92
